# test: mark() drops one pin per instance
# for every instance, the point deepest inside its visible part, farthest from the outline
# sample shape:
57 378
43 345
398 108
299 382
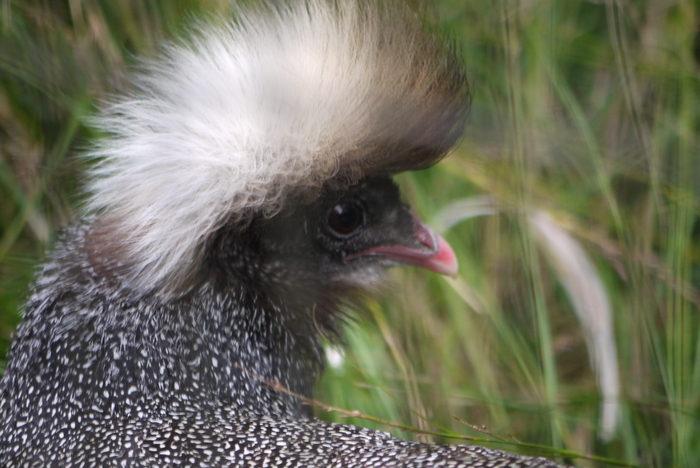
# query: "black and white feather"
242 197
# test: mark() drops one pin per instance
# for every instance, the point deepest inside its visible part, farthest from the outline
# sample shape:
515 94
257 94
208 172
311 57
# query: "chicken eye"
345 218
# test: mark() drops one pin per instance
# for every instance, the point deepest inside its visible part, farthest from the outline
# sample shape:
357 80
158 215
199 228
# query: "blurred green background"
572 204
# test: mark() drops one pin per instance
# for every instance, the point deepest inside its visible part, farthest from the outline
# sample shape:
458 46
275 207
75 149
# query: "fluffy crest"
282 101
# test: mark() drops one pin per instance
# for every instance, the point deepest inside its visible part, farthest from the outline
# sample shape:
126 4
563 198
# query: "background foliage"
585 112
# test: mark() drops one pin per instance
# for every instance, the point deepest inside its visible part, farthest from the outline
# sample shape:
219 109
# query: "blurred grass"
585 110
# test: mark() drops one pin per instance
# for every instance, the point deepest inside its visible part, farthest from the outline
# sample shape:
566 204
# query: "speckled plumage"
111 367
101 377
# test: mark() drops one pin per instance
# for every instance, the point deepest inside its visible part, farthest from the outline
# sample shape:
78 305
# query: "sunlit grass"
585 112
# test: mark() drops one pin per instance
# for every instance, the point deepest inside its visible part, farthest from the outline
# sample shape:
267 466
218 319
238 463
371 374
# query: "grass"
584 120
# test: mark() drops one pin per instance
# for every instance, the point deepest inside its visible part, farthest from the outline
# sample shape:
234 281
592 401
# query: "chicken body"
100 376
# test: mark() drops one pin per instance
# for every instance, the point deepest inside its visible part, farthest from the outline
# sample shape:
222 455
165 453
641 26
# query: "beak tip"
444 261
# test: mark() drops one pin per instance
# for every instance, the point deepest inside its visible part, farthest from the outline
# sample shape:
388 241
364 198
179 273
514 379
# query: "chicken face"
352 236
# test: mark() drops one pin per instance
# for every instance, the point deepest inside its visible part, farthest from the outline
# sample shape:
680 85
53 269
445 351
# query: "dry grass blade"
582 284
586 292
463 209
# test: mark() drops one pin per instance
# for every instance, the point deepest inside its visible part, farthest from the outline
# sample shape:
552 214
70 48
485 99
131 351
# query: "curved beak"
432 252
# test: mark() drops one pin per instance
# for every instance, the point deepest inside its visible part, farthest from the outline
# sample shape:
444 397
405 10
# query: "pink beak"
437 255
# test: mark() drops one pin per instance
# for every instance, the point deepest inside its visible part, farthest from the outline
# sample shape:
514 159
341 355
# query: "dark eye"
345 218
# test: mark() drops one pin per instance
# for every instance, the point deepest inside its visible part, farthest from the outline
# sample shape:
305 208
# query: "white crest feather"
282 100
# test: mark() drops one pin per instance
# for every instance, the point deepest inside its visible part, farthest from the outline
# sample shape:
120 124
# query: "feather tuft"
283 101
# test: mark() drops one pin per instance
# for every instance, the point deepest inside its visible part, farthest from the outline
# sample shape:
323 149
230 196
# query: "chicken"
242 200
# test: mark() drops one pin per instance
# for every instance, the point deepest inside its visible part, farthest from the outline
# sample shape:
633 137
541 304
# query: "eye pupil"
345 218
